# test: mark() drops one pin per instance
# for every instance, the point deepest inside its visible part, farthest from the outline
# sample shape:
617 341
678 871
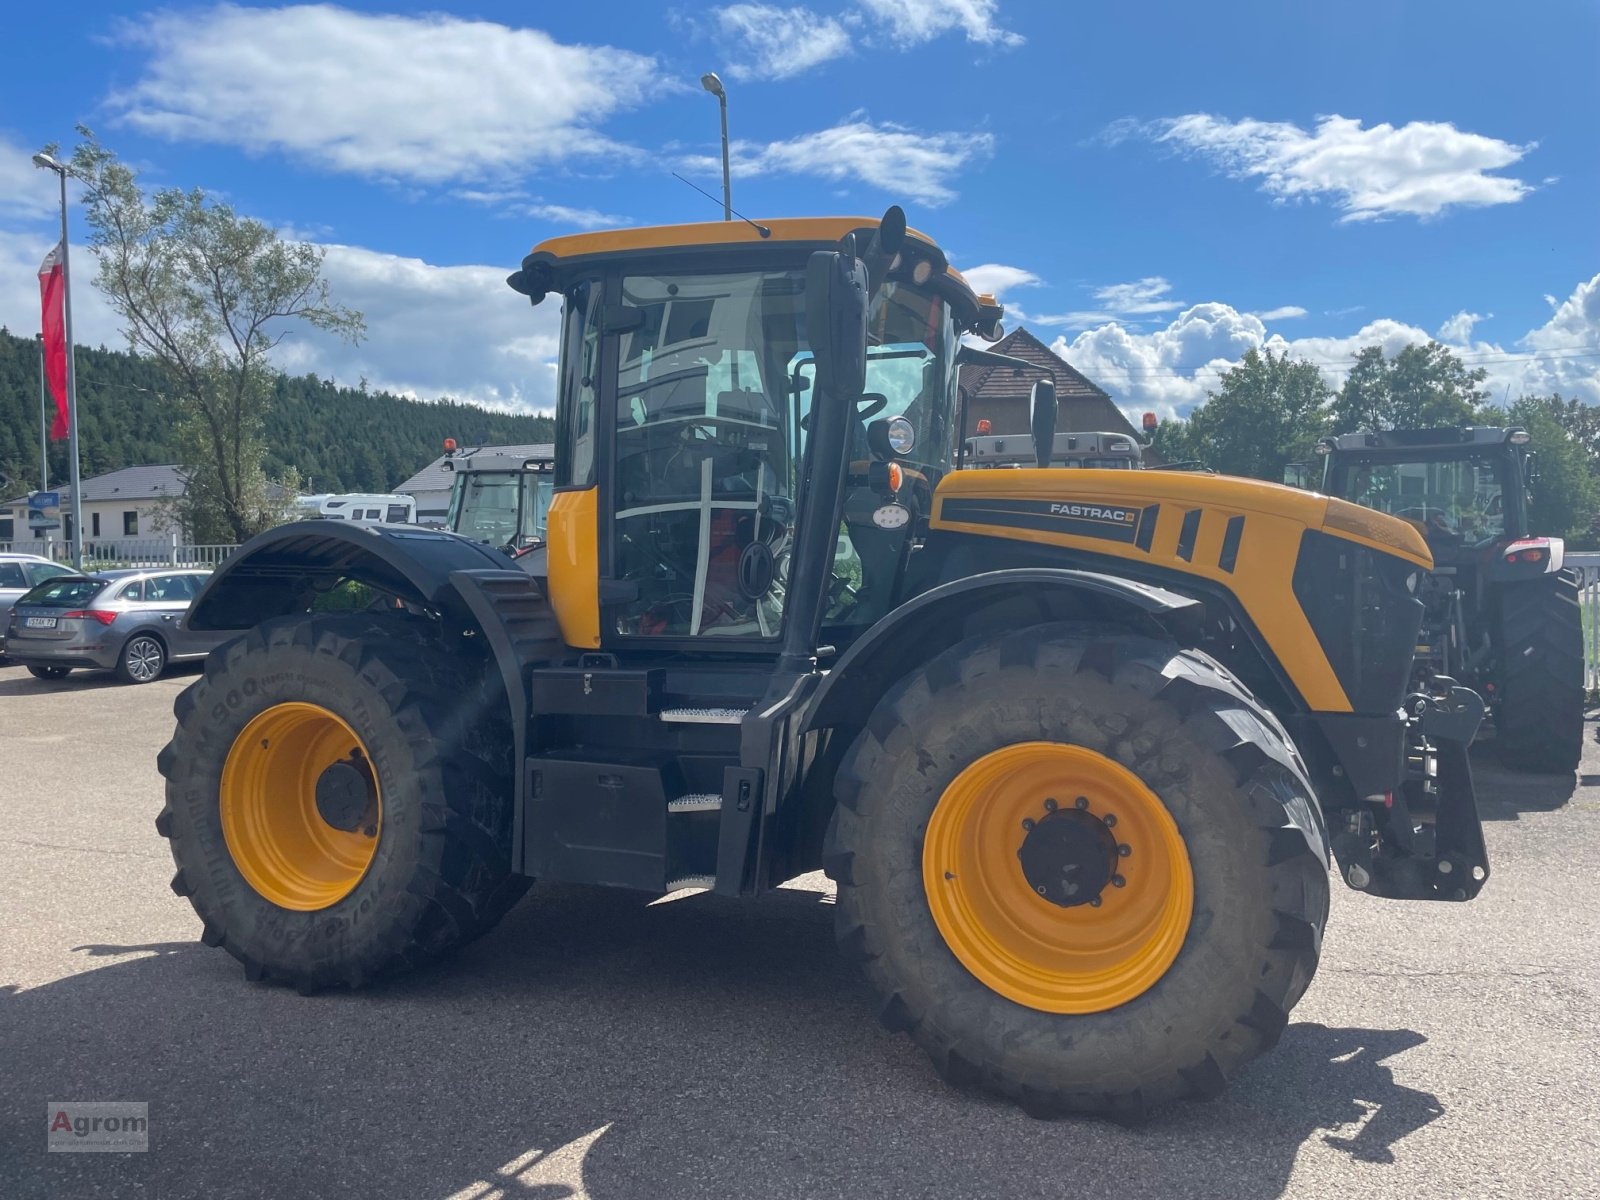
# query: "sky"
1152 189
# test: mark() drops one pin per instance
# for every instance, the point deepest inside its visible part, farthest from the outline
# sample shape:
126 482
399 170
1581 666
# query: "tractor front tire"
1539 709
339 799
968 844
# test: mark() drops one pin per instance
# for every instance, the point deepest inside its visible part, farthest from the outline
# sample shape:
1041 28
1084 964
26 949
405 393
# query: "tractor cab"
501 499
1465 490
689 417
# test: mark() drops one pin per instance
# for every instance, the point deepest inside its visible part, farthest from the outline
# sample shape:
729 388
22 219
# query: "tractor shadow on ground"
595 1046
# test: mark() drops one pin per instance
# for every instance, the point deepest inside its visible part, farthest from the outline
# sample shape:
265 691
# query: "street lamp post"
712 84
44 422
49 163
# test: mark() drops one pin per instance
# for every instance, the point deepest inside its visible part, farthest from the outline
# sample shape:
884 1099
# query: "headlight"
902 435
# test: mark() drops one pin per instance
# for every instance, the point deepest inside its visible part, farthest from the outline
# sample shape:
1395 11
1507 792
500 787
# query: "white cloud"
1287 312
1170 369
775 43
910 22
897 160
1124 302
434 331
427 99
1569 347
582 218
997 279
1417 169
1458 329
1147 295
26 192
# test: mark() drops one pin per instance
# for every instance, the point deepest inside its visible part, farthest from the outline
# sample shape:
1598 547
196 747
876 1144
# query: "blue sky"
1153 189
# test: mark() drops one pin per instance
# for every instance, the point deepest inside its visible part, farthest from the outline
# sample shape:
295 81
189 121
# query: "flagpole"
44 422
72 386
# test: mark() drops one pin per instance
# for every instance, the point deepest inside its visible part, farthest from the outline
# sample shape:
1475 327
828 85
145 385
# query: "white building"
126 505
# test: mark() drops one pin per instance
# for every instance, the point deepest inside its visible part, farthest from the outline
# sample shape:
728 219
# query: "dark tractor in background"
1501 615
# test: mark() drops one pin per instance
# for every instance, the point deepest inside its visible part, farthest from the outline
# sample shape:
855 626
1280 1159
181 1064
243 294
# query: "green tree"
1566 496
1421 387
208 295
1268 412
1173 441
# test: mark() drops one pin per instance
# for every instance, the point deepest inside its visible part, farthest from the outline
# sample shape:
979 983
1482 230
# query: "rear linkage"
1423 841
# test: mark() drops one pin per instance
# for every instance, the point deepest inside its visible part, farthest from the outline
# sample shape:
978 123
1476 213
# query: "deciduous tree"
208 295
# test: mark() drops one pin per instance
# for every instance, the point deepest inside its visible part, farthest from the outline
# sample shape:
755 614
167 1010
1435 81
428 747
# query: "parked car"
127 621
19 573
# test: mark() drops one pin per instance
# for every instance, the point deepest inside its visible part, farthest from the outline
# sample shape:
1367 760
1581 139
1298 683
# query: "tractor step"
704 716
695 802
633 816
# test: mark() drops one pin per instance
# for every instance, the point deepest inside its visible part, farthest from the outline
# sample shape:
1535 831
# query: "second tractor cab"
1501 613
501 499
1074 745
1103 451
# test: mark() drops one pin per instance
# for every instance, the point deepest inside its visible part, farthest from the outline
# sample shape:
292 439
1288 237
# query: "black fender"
942 616
280 571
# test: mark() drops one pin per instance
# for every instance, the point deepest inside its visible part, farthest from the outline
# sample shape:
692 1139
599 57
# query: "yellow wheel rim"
271 821
1104 946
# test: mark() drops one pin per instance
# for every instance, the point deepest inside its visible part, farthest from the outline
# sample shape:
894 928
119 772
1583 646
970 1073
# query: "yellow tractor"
1074 744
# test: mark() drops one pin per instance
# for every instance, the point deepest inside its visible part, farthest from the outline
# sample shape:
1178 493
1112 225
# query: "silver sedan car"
127 621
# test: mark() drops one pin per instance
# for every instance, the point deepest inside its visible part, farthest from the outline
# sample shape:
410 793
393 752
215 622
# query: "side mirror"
836 324
1044 421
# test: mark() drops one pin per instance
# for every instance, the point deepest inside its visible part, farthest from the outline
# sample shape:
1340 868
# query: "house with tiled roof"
130 503
1001 394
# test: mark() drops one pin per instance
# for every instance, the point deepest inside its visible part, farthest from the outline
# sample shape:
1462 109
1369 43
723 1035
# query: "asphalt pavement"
595 1045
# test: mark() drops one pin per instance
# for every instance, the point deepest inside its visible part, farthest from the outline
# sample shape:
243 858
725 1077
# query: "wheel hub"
345 796
301 806
1069 857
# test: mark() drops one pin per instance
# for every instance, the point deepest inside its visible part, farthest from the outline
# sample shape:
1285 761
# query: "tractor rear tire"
1539 710
1212 765
432 740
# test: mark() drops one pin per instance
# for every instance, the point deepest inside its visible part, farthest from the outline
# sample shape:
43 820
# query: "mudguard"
280 571
921 627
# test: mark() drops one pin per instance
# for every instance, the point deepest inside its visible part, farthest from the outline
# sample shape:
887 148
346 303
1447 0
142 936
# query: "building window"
130 524
94 524
8 527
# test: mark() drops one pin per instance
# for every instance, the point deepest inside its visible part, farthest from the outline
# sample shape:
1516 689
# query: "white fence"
1587 565
106 553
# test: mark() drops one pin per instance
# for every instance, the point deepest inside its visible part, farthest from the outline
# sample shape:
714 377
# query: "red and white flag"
53 323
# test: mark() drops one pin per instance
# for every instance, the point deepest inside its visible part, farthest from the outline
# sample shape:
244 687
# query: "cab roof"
819 233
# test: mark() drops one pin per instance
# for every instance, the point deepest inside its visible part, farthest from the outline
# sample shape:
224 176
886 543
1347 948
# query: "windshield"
1452 502
484 506
714 393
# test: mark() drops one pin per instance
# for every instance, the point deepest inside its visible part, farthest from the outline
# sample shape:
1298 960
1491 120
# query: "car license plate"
39 622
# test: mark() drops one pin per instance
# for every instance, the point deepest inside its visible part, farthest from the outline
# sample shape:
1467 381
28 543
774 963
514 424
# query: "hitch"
1423 841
